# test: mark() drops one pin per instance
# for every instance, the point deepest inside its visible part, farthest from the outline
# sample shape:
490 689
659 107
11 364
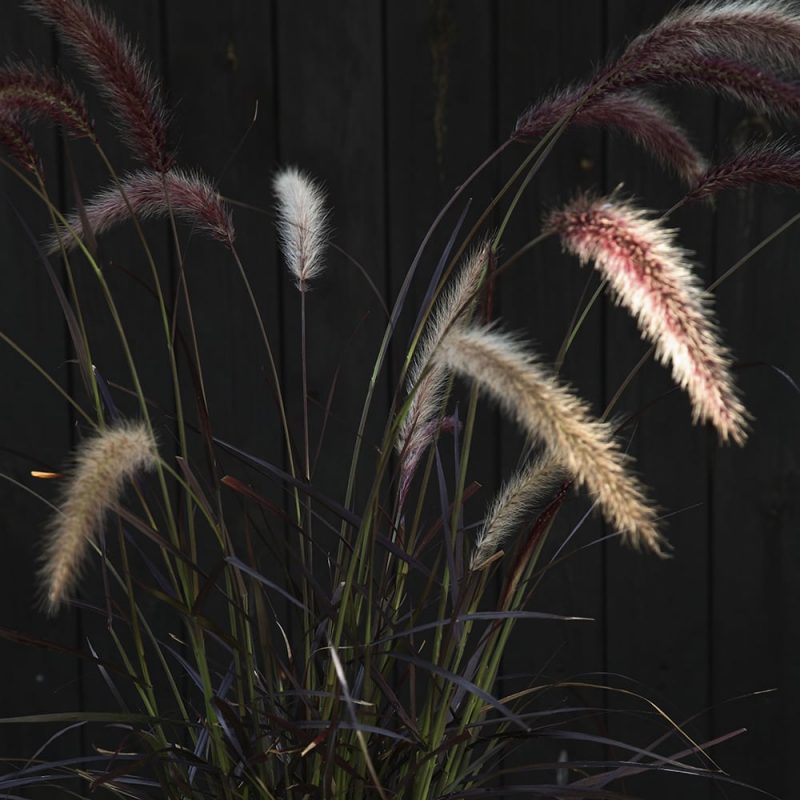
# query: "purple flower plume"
120 72
758 89
32 93
646 121
150 194
764 31
15 138
732 48
770 162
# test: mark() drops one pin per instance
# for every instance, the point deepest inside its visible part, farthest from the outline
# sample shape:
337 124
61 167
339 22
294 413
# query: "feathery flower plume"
707 45
454 308
188 195
33 93
760 30
512 506
302 224
647 122
650 275
15 138
103 465
759 90
551 414
118 68
766 162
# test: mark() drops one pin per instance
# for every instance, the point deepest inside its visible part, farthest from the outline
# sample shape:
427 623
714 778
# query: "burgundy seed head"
120 72
149 194
28 91
646 121
771 162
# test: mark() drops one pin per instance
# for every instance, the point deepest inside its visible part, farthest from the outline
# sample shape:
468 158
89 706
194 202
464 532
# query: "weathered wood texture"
391 106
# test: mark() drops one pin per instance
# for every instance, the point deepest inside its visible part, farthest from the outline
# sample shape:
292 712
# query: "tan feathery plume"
103 464
515 501
302 224
650 275
455 307
551 414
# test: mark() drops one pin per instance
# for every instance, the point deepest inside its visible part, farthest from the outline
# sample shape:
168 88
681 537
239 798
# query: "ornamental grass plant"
262 637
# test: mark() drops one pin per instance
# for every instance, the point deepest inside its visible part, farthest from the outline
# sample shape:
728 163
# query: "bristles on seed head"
103 465
32 93
762 31
120 72
16 139
765 162
150 194
554 416
646 121
513 505
750 84
426 379
650 275
302 221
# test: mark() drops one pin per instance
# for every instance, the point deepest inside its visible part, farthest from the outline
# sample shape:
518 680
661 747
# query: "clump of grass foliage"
351 646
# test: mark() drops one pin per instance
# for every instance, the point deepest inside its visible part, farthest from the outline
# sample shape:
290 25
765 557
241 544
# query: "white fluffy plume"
302 222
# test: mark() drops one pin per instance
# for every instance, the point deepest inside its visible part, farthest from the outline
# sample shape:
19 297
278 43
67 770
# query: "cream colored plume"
428 380
103 464
650 275
302 224
552 415
512 506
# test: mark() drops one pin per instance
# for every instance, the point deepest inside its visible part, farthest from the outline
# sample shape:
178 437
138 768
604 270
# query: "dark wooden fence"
392 105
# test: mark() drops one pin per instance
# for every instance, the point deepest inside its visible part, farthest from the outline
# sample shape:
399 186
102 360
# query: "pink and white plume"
302 222
650 275
149 194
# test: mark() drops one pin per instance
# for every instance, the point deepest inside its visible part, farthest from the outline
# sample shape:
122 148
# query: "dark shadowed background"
392 104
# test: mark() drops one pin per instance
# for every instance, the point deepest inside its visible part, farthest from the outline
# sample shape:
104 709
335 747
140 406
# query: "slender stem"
308 558
576 326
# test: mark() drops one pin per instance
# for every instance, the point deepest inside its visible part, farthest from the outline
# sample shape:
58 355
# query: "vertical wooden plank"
440 126
220 71
331 124
543 46
34 434
657 615
221 79
756 556
220 76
